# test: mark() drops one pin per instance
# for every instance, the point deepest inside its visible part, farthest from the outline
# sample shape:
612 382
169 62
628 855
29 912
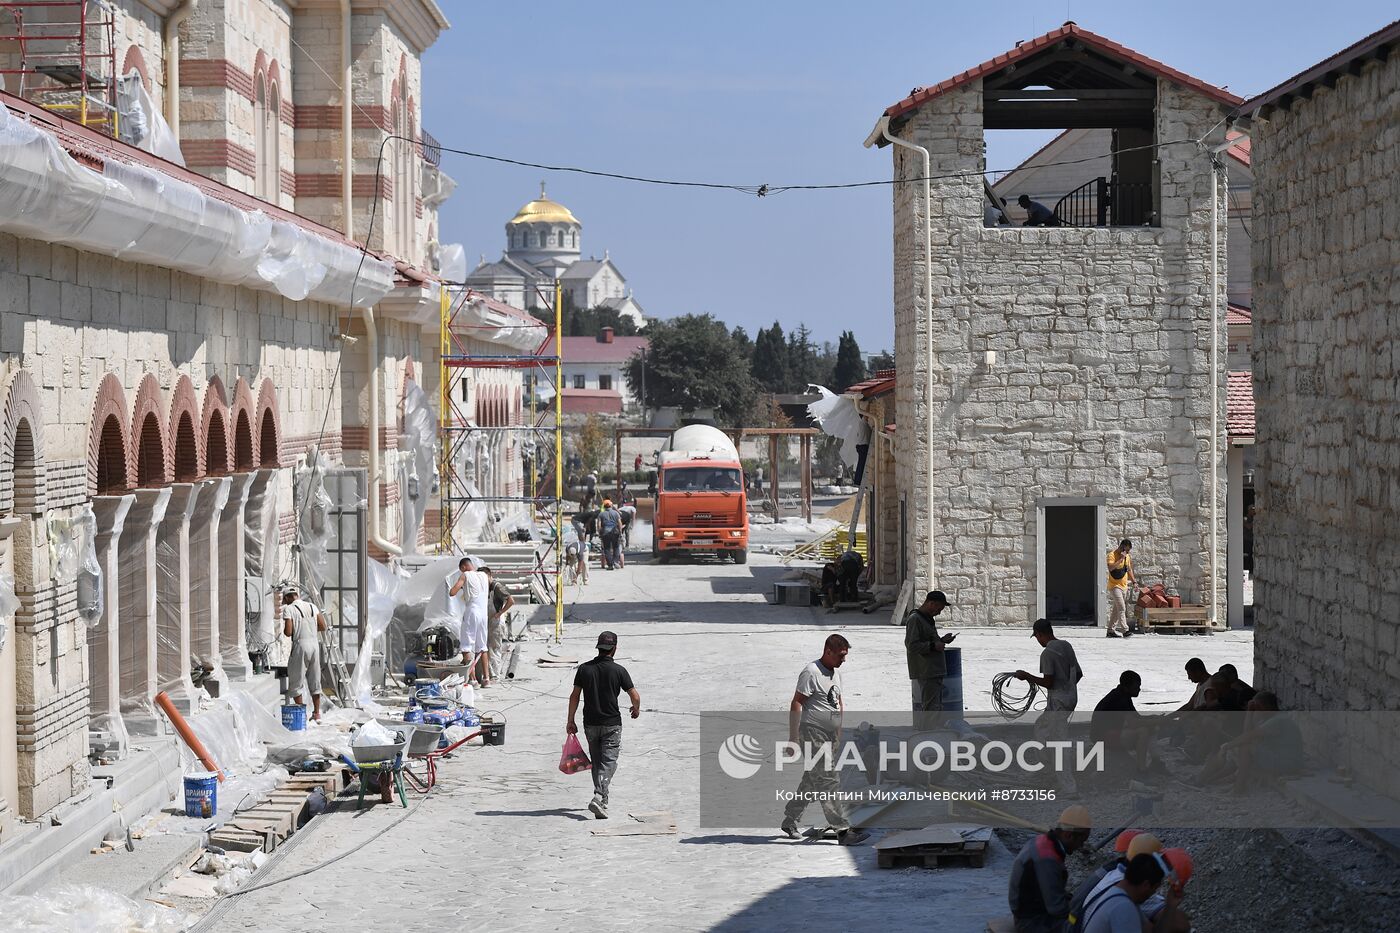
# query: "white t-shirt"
822 687
303 616
1114 912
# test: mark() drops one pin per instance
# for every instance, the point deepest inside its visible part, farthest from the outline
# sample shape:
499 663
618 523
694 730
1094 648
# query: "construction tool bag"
573 759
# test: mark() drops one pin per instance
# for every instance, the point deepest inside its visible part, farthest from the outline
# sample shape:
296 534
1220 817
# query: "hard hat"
1120 845
1075 818
1181 865
1143 844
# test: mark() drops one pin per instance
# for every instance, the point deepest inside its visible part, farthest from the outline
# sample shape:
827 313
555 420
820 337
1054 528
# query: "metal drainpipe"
1215 168
882 130
347 127
375 478
172 63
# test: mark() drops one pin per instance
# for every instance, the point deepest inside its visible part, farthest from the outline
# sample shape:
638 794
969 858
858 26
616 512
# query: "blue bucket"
413 715
201 795
294 717
427 687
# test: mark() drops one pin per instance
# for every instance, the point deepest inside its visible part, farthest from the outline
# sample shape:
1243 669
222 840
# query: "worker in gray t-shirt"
1059 669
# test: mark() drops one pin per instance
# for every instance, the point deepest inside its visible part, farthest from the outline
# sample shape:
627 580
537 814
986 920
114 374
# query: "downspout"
172 63
882 130
375 478
347 127
1216 167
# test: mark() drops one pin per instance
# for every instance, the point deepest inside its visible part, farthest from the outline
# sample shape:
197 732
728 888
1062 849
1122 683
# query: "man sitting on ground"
1269 747
1117 723
1236 694
1037 895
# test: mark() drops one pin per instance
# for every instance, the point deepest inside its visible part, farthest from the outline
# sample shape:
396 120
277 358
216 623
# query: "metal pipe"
882 130
1215 169
172 63
182 728
347 126
375 479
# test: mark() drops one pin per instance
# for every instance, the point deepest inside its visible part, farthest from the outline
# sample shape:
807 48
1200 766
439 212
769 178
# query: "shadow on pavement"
558 811
733 839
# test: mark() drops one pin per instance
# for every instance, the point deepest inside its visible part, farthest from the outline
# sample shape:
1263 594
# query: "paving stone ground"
504 842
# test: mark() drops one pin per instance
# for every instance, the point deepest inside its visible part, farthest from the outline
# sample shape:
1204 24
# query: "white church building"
542 244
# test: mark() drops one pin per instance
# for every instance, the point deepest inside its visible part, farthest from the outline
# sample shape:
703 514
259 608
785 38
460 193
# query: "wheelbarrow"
386 762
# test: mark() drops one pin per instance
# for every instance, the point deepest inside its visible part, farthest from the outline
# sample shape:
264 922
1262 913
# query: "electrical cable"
1012 706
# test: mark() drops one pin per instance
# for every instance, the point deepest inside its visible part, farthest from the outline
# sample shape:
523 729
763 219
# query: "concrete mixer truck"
701 507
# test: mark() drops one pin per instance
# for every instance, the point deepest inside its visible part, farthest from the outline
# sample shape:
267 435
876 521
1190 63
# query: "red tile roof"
593 350
1301 84
1238 314
1239 403
1054 37
592 401
878 384
1240 150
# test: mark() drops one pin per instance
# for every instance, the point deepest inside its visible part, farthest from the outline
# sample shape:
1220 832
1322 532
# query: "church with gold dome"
543 242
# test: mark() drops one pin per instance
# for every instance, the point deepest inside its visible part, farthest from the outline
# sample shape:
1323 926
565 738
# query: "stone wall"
1327 395
1102 380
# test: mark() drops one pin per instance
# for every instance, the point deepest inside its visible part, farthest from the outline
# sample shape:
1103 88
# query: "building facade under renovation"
1055 384
193 299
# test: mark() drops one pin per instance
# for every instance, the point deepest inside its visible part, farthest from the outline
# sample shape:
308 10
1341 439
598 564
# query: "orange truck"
701 507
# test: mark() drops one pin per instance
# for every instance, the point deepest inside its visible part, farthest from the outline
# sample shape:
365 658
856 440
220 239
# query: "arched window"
266 141
404 160
259 136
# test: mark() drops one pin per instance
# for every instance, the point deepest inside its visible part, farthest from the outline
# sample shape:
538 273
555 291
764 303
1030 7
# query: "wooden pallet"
904 850
268 824
1175 621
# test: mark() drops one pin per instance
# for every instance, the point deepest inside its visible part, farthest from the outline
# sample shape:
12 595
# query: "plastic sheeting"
418 471
838 417
493 325
383 590
136 213
261 546
9 603
314 518
175 679
452 262
142 123
84 909
73 543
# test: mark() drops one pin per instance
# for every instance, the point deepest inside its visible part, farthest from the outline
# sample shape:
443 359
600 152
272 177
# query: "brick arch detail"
267 405
134 59
22 404
150 402
185 404
243 405
259 65
215 408
110 403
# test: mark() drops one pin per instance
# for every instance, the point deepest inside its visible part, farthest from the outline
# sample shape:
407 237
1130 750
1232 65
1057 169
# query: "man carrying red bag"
599 682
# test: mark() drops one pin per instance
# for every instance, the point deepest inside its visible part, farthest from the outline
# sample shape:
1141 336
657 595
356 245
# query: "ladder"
333 659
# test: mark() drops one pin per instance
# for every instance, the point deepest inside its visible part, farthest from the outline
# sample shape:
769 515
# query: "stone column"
9 697
233 640
211 495
257 562
104 639
138 617
1234 537
173 630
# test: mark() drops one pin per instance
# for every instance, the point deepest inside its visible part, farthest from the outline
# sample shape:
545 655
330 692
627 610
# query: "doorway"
1070 532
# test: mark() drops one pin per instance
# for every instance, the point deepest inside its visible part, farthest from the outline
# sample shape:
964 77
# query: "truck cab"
701 506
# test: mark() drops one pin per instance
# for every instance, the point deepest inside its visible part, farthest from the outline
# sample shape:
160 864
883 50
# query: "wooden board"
1153 616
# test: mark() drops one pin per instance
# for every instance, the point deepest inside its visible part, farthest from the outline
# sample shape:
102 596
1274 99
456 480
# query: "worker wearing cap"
599 682
923 652
1037 894
302 622
1130 842
1059 677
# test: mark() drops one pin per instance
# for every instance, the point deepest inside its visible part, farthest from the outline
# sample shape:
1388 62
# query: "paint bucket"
294 717
201 794
493 732
427 687
953 681
413 715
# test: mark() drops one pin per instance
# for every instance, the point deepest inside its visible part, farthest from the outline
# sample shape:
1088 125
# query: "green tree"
588 322
770 359
850 365
881 360
692 363
804 363
593 443
742 341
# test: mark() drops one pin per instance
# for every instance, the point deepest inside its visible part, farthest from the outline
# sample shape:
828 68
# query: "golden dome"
543 210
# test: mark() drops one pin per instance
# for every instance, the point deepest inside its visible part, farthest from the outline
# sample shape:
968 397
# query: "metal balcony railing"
1104 203
432 149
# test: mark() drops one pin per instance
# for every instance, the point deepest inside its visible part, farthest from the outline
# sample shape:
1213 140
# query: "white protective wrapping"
452 262
85 908
313 521
136 213
9 603
73 543
417 472
142 123
491 325
838 417
382 595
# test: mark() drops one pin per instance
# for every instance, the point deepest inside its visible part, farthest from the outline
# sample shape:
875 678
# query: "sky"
774 93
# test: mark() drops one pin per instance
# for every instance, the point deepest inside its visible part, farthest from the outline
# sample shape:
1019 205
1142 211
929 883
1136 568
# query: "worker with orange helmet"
1160 912
1037 892
1121 844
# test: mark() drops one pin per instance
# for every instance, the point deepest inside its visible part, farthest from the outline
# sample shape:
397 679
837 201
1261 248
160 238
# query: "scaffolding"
64 54
541 434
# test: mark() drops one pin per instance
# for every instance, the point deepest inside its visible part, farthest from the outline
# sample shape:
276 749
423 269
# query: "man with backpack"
610 530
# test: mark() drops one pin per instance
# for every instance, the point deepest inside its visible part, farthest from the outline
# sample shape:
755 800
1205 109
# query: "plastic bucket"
201 795
427 687
493 733
294 717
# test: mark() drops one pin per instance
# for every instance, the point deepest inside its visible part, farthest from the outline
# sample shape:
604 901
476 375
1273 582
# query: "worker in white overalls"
302 623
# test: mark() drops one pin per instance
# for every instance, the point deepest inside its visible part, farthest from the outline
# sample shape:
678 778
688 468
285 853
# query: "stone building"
543 243
1070 392
173 341
1327 390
